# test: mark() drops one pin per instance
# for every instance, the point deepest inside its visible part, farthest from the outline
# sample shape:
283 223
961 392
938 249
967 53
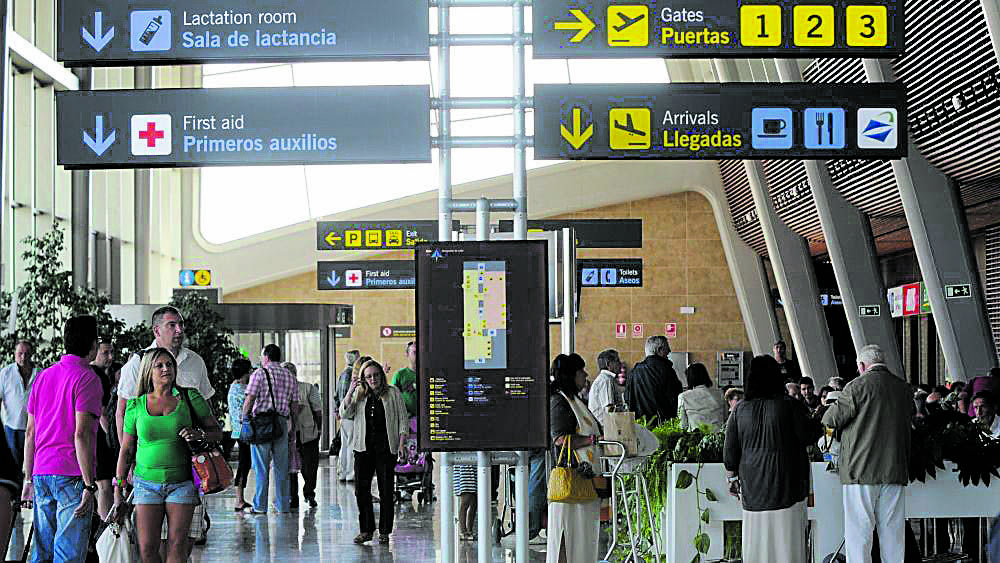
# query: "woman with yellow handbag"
574 508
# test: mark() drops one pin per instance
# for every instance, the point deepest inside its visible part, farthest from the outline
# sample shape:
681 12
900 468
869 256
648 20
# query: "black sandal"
243 507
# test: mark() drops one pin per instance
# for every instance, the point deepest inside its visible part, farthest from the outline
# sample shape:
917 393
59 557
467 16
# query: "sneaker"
538 540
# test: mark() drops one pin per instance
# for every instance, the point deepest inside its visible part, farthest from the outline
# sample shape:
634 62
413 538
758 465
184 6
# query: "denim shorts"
149 492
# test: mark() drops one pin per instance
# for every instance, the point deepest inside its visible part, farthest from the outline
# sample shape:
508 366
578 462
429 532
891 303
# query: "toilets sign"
149 32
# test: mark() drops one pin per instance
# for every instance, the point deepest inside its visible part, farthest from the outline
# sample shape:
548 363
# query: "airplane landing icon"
630 128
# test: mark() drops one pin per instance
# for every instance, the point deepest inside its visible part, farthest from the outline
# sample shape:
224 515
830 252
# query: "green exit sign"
958 291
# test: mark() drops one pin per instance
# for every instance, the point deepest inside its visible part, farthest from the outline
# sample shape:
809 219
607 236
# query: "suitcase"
26 554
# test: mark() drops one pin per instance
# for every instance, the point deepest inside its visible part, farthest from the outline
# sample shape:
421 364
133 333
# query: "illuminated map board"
717 28
482 345
743 120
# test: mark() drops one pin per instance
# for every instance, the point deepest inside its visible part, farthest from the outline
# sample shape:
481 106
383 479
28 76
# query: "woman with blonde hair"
381 425
158 425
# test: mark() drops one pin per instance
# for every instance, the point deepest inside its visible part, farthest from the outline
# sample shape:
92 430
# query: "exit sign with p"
717 28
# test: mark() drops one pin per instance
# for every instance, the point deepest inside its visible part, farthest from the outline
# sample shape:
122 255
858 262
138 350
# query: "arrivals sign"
720 121
149 32
365 274
243 126
716 28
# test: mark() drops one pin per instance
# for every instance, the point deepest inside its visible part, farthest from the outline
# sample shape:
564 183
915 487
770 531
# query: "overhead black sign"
590 233
719 121
717 28
150 32
375 235
243 126
482 334
621 272
365 274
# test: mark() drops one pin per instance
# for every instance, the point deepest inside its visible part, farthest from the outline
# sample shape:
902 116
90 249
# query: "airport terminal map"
485 315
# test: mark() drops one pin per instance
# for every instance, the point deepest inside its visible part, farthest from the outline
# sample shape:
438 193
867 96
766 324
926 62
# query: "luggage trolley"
620 469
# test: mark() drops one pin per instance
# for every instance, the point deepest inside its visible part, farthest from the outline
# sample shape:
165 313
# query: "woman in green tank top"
158 424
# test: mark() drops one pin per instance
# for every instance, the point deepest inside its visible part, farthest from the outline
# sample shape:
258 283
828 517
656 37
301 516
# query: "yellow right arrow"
583 26
575 137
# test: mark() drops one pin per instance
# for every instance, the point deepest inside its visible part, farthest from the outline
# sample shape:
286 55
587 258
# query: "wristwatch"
91 487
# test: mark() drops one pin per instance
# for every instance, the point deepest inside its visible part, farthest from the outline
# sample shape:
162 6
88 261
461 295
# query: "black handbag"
263 427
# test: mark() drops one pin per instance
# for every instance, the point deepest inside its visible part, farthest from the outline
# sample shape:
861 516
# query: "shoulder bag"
566 484
263 427
207 461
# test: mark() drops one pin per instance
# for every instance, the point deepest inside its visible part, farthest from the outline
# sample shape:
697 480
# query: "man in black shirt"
788 367
652 387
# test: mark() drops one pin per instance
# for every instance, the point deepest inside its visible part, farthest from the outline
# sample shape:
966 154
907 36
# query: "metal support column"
447 496
520 174
793 271
849 241
80 211
937 223
484 481
568 331
142 185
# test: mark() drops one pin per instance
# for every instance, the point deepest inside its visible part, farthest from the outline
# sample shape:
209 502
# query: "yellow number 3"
867 26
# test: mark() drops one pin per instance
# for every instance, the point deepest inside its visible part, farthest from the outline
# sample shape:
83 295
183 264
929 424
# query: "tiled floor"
322 534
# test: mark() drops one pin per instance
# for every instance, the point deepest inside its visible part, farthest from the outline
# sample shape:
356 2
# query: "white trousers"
345 459
867 507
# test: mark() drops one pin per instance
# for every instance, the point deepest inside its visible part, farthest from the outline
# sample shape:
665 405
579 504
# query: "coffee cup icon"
774 127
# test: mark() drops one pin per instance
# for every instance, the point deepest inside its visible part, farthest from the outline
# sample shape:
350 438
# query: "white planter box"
944 497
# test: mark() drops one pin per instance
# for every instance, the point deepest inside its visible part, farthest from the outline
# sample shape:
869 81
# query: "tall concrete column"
851 246
793 271
80 210
746 268
941 240
142 208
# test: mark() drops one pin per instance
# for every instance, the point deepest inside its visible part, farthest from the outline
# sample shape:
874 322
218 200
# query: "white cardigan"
397 421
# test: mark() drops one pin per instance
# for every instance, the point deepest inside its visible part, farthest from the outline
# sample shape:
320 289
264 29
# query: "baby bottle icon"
151 29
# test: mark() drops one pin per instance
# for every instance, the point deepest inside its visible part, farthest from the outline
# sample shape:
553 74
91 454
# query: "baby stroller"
415 476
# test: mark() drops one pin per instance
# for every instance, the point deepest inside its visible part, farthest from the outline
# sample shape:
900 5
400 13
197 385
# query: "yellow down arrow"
575 137
583 26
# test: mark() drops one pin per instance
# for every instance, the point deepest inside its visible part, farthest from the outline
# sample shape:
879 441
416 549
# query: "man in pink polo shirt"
60 444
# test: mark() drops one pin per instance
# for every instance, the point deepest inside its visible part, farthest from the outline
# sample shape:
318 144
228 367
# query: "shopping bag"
116 544
620 427
213 472
566 484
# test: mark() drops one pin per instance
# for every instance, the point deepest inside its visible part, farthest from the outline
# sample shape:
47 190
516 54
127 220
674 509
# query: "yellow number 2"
813 25
867 26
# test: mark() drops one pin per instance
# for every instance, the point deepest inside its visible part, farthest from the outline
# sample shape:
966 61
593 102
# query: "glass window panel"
360 73
599 71
302 348
243 201
499 122
482 71
273 76
333 189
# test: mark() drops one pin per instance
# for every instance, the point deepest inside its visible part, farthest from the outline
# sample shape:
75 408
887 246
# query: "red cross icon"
151 134
354 278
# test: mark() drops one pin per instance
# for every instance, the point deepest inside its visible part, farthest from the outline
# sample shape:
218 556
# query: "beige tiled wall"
683 262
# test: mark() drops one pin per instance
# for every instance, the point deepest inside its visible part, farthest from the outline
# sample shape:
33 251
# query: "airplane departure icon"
627 21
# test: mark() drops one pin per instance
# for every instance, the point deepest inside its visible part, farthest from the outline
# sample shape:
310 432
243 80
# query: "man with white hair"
652 387
872 415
